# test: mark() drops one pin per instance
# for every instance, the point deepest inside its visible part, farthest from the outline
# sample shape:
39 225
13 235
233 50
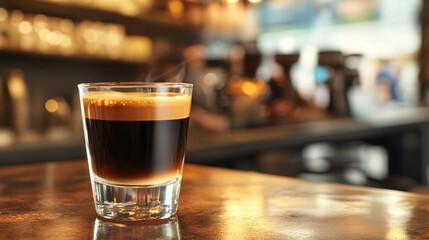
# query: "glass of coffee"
135 135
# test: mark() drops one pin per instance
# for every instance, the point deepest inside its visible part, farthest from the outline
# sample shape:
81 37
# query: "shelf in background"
81 58
158 24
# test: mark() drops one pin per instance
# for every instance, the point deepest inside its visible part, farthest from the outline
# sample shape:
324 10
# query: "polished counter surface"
54 201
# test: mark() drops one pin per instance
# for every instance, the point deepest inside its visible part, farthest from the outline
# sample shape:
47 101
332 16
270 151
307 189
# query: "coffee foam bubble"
136 106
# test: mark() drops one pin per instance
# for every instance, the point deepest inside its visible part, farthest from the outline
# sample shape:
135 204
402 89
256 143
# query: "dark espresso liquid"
132 150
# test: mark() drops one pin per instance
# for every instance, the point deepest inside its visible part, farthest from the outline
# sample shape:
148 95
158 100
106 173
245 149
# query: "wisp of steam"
175 75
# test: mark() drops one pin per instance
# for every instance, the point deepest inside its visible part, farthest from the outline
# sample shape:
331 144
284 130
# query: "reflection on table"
162 229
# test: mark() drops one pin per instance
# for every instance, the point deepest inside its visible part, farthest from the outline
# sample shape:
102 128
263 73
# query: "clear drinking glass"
135 135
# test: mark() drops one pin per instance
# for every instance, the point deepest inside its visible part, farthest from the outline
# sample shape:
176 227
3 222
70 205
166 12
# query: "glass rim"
134 85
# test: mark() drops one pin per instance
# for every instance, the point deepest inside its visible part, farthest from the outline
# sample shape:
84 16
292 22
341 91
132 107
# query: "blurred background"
325 90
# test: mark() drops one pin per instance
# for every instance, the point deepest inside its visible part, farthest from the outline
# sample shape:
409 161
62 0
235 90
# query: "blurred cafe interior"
324 90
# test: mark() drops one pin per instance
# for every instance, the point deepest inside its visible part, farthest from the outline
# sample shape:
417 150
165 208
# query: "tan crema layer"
136 106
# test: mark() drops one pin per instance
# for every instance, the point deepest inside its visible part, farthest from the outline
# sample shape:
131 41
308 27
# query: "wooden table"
54 201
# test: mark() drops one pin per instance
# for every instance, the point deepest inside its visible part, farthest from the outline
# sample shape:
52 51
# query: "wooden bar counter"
54 201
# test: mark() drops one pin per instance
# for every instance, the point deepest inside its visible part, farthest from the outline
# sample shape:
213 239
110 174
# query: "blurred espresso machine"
248 94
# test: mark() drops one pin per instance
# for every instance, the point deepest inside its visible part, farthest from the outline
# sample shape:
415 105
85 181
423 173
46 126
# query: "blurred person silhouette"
387 82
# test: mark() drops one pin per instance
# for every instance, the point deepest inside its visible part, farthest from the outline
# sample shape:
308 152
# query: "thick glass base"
135 203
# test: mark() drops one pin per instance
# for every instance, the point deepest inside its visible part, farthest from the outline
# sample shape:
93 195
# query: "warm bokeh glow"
176 8
16 87
51 105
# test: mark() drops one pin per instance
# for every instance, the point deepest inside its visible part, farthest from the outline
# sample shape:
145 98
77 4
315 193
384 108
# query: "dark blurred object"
338 104
251 63
219 63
